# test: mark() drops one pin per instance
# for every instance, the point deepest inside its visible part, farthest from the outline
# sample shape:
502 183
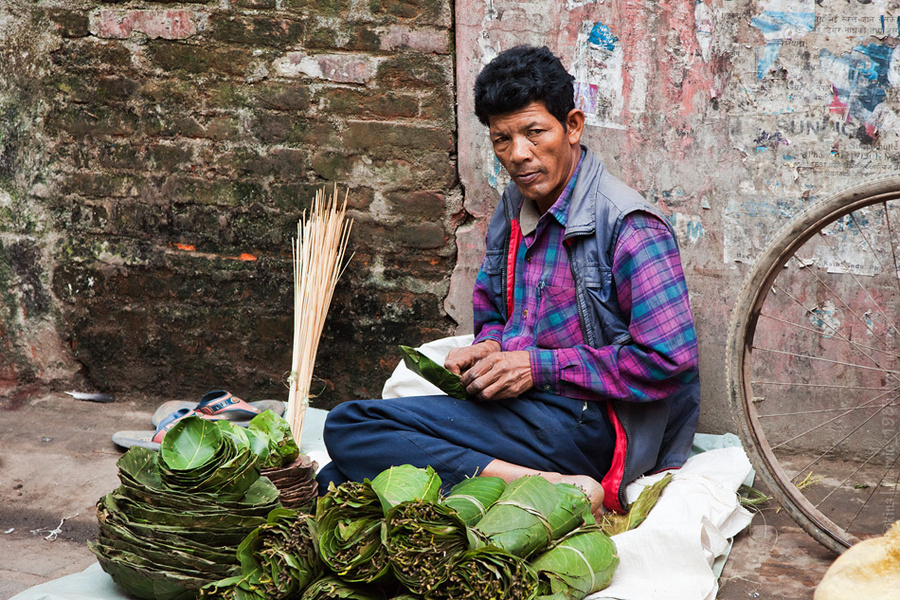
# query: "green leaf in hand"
434 373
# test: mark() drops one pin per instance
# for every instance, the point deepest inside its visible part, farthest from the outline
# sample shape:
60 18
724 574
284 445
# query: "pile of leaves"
397 537
175 523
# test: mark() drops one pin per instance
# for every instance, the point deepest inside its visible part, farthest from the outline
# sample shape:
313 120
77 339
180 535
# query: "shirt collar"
529 215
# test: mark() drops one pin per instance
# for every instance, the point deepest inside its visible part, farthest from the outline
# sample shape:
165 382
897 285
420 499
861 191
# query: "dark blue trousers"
458 438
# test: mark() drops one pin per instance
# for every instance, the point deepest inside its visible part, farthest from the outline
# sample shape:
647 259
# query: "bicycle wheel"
813 364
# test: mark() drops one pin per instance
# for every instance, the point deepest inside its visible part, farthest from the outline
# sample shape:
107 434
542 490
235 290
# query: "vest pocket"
493 266
493 262
612 327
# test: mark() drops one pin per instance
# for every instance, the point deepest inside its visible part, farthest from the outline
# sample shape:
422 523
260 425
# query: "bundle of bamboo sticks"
318 254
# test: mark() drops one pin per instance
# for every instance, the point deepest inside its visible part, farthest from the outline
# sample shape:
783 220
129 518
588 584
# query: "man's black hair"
522 75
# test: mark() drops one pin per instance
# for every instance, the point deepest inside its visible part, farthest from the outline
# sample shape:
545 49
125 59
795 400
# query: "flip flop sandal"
220 404
152 439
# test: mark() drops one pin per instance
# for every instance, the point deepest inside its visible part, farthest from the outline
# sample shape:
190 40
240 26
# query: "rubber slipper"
220 404
152 439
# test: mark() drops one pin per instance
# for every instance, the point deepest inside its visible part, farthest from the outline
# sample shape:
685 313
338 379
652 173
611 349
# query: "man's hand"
489 374
459 360
499 375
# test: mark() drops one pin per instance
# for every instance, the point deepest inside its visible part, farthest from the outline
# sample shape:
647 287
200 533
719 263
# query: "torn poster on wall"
781 20
597 68
816 109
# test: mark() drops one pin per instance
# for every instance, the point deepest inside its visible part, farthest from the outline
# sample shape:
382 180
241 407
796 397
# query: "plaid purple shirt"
652 294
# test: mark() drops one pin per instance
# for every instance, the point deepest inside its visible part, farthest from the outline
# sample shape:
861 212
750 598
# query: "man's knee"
345 427
336 419
345 414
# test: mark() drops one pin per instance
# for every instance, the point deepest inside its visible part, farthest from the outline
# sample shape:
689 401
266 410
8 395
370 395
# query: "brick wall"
155 158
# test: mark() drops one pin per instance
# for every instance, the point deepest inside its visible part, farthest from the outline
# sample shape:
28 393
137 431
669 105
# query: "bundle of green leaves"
424 538
531 513
270 437
471 498
176 520
487 572
281 558
579 564
396 537
445 380
350 519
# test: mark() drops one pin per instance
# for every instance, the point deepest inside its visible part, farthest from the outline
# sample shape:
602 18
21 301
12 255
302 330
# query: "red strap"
612 481
515 238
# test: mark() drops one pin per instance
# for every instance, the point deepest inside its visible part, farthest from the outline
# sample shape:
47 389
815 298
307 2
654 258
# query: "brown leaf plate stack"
296 483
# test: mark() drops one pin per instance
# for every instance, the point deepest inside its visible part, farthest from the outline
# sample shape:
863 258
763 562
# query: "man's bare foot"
509 472
590 486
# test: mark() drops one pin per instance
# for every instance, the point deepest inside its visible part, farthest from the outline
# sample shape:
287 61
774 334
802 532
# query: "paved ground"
57 459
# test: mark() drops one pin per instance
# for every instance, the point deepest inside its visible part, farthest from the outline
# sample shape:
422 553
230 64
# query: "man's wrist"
491 344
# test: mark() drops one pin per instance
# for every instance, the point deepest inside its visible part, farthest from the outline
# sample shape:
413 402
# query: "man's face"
537 152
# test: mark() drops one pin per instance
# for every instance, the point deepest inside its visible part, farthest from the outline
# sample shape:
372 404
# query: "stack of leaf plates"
296 483
176 520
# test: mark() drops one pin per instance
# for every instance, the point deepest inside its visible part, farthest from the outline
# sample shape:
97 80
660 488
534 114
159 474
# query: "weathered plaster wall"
730 115
155 157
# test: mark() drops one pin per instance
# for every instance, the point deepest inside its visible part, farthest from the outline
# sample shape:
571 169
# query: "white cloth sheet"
671 556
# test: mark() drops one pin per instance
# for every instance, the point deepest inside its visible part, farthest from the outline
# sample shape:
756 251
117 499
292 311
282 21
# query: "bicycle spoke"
857 470
877 485
835 418
838 443
818 332
815 385
829 360
824 410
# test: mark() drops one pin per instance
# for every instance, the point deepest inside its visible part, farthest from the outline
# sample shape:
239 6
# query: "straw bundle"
318 252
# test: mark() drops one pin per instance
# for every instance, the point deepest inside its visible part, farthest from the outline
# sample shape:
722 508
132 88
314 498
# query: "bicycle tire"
759 285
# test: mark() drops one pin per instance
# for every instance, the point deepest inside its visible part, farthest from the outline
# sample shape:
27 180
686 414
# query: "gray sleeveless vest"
650 435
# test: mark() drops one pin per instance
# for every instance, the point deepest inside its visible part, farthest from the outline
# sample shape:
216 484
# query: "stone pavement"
57 460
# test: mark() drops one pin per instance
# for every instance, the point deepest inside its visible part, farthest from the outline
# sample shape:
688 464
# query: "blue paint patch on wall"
694 230
777 26
493 176
864 79
767 57
601 36
779 23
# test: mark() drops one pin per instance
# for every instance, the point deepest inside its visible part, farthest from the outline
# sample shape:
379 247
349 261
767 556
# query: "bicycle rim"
813 364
